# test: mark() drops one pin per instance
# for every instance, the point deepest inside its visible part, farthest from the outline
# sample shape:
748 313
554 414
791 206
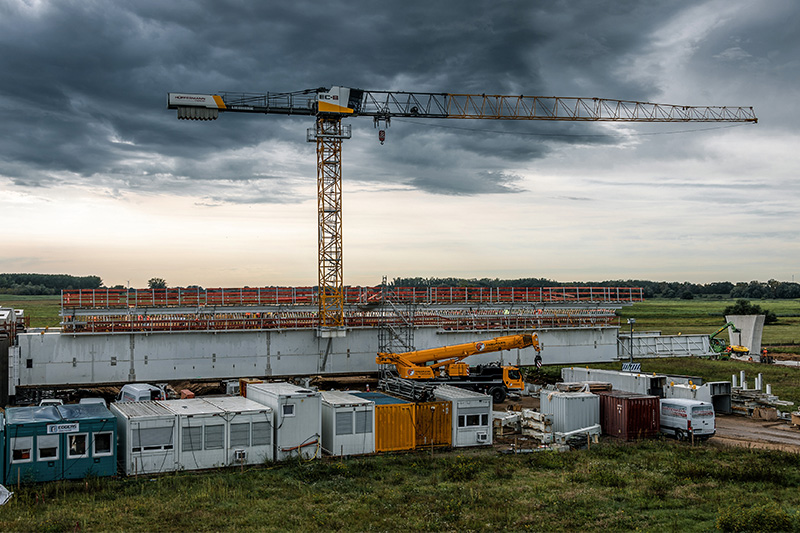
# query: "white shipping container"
248 431
201 434
147 437
472 415
571 410
348 424
297 414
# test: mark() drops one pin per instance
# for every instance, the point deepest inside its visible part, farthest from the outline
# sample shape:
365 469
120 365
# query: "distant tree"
743 307
156 283
687 295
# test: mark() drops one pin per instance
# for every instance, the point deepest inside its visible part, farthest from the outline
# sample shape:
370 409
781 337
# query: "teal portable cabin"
89 433
34 452
2 448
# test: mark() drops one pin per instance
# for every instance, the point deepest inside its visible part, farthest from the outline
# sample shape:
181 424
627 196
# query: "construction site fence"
278 321
309 296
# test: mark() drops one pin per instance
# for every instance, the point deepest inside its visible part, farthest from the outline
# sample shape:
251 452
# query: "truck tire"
498 394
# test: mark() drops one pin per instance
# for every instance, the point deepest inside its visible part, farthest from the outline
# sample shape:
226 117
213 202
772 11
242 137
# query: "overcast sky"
97 177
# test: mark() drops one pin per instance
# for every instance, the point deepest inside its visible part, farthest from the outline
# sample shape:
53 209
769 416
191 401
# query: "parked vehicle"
90 401
51 402
685 418
141 392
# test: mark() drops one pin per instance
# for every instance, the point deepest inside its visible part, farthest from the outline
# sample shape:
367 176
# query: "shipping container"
348 424
433 423
248 430
629 416
571 410
90 440
394 422
471 418
201 434
297 418
3 460
148 436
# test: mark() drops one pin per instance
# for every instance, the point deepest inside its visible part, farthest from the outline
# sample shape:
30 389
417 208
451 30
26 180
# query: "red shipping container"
629 416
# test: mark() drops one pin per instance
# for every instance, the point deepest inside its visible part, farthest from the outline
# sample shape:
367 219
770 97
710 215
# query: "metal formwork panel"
639 383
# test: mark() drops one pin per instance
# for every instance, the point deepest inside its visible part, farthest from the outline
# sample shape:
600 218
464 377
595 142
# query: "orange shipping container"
434 424
394 427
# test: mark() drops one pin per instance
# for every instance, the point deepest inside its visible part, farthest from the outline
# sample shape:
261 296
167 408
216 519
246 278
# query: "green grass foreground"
649 486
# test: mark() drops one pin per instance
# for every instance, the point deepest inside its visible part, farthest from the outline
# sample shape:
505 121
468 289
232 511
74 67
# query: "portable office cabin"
571 410
90 438
297 413
201 434
3 460
472 415
395 422
148 435
248 430
348 424
34 452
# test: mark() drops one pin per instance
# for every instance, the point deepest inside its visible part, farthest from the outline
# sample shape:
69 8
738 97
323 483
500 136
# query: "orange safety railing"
354 296
306 320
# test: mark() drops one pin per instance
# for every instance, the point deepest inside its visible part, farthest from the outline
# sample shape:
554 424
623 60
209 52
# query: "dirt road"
735 430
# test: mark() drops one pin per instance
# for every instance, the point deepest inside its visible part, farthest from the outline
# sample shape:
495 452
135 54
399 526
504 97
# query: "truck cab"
140 392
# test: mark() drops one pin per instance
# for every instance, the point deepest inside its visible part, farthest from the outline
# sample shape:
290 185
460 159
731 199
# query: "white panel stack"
472 415
297 418
348 424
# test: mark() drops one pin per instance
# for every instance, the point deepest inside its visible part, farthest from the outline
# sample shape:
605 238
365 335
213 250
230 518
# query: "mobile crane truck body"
418 372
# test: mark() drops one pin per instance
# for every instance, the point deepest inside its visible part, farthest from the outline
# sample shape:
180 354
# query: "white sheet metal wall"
297 418
53 358
201 434
472 415
148 436
640 383
647 345
248 435
348 424
570 410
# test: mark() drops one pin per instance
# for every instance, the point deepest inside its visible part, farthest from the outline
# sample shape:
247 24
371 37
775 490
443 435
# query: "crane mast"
330 105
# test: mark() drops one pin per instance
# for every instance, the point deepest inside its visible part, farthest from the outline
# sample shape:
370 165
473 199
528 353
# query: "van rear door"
703 420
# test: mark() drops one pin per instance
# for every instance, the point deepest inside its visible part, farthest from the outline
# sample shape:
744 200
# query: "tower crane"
331 105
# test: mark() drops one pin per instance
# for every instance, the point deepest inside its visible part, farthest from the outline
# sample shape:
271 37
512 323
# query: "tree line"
771 289
46 283
54 283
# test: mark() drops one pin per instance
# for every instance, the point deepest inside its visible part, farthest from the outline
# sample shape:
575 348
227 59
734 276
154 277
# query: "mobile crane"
330 105
418 372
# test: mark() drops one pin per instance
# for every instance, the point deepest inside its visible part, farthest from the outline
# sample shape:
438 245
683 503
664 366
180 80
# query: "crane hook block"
382 136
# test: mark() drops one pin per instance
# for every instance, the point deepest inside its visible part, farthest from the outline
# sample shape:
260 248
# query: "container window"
76 445
240 435
344 423
47 447
215 437
363 422
462 421
151 439
21 449
485 420
287 409
262 433
472 421
192 439
102 444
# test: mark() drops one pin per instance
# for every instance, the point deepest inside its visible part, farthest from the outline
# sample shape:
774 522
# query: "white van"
684 418
140 392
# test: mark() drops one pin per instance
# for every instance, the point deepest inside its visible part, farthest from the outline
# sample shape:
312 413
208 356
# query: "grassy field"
651 486
42 310
673 316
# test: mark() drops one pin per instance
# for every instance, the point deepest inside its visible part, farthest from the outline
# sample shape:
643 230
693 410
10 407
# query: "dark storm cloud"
83 90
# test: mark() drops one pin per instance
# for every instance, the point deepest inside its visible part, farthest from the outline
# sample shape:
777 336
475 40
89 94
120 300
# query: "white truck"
685 418
141 392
